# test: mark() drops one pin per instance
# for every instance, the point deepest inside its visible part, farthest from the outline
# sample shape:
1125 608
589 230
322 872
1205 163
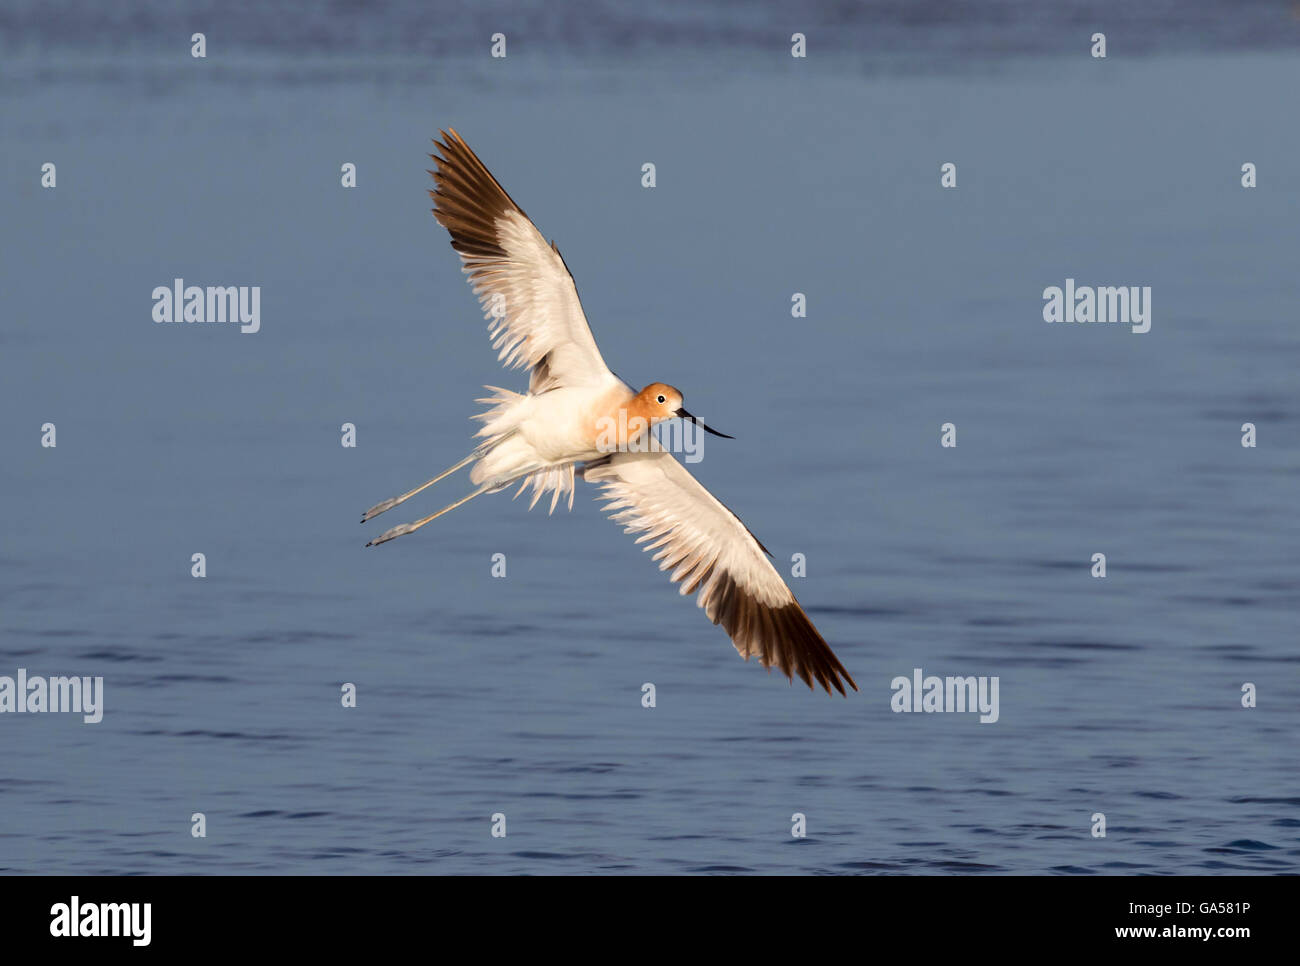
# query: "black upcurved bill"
685 415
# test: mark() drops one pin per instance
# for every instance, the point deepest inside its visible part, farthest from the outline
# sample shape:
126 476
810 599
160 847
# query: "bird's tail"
502 415
513 458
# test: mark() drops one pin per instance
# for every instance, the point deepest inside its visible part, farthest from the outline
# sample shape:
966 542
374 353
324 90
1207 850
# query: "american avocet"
536 321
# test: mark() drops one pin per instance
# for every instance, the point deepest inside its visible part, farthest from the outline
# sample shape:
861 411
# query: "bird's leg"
405 528
491 486
391 502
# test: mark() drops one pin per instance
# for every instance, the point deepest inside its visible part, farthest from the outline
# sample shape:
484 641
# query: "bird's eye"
660 399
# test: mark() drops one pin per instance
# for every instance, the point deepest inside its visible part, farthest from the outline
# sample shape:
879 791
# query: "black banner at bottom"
333 915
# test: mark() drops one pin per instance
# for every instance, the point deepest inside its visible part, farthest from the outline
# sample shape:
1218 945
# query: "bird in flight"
578 418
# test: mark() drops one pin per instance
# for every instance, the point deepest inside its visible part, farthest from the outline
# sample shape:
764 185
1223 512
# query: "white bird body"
542 437
577 416
559 426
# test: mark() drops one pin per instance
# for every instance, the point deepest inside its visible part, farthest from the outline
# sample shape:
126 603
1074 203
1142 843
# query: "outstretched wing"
528 296
710 551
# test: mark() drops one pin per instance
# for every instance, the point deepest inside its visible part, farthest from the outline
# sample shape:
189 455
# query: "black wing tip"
467 198
456 160
800 646
782 636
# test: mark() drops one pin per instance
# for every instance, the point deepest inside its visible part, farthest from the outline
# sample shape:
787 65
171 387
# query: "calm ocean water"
522 695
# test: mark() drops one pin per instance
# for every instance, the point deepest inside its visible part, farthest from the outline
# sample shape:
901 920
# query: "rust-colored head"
659 401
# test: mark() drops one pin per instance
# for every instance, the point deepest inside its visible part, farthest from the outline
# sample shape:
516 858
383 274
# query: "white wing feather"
709 550
528 296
